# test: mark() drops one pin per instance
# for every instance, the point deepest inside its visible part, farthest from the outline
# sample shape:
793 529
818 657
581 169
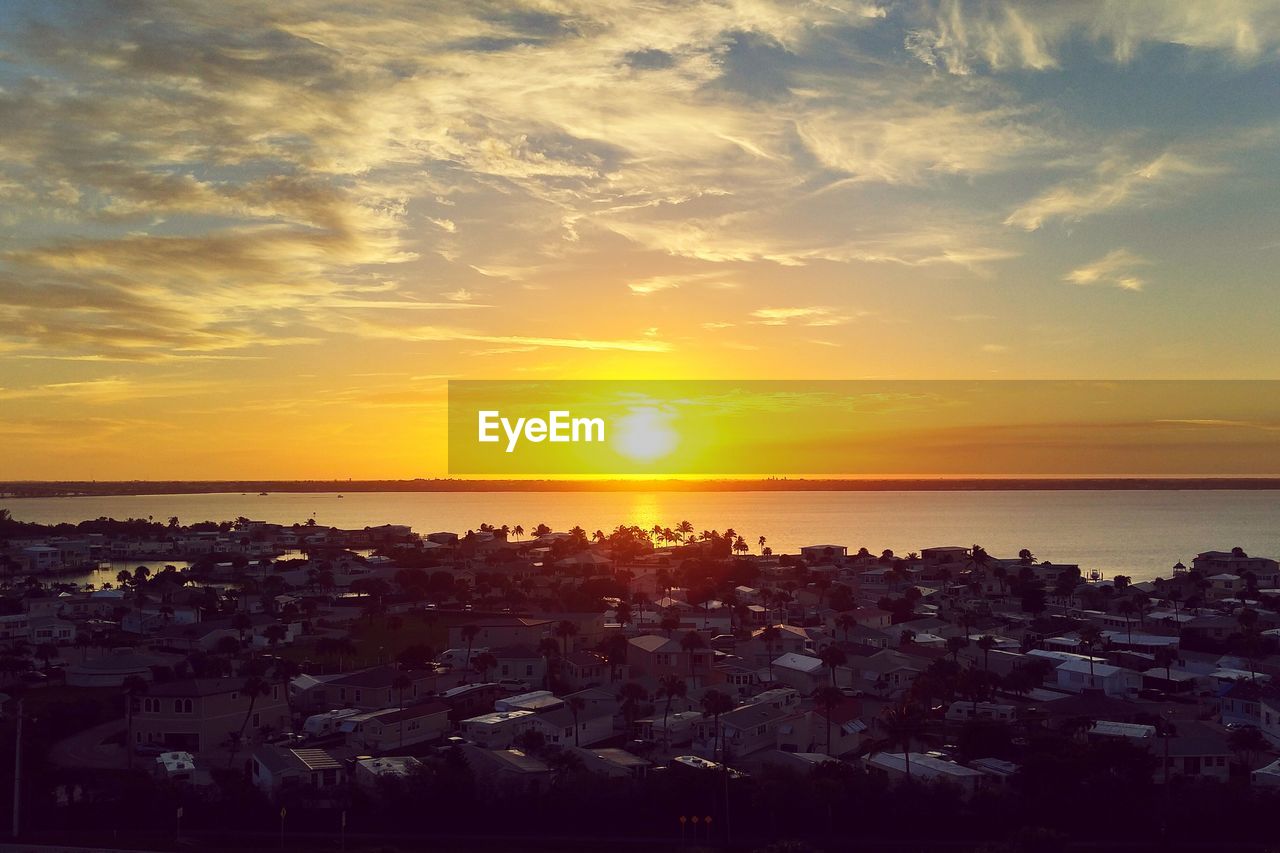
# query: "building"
368 771
497 730
202 715
275 769
396 728
495 633
614 763
924 768
801 672
1076 676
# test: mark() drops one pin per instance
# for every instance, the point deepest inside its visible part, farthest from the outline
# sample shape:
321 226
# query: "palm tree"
715 703
254 687
134 686
1165 657
691 642
669 623
832 656
846 623
828 698
550 651
761 542
902 723
671 686
483 663
986 642
576 704
518 530
770 635
1126 609
469 633
685 529
1090 636
631 694
954 645
566 630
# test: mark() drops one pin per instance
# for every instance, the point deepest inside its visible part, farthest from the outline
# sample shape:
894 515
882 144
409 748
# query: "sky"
257 239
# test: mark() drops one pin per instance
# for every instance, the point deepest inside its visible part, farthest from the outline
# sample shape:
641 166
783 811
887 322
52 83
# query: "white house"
1076 676
498 730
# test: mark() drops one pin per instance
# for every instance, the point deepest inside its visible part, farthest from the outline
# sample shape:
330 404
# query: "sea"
1141 534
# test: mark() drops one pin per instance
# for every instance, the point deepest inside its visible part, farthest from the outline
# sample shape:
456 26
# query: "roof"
1110 728
497 717
411 712
620 757
654 642
802 663
919 761
195 687
376 676
1101 670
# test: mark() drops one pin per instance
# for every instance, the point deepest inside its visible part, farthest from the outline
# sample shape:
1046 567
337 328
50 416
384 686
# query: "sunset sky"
256 239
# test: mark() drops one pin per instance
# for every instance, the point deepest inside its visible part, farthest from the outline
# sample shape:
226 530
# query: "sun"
645 435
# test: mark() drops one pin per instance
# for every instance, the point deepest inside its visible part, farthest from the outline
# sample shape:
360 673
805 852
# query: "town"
647 686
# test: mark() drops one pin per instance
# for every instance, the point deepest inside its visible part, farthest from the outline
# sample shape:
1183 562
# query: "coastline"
32 489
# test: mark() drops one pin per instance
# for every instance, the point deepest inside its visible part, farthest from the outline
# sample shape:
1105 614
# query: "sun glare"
645 435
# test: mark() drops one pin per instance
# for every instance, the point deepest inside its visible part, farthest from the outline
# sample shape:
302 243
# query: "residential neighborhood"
314 664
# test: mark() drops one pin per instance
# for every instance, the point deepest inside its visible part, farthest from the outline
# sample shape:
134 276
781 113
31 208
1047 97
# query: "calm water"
1141 534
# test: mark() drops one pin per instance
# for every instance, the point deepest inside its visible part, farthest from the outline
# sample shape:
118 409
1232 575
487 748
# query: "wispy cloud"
1114 269
813 315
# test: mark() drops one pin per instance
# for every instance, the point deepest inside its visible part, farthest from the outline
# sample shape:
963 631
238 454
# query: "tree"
670 622
1165 657
828 699
846 623
715 703
550 651
576 705
254 686
670 686
631 694
1248 741
832 656
691 642
954 645
1090 636
1126 609
134 686
566 631
483 663
986 643
902 723
469 634
770 634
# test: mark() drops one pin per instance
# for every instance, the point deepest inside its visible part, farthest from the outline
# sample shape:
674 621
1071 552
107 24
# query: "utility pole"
17 777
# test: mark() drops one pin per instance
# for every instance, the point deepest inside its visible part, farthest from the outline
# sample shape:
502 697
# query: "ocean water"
1137 533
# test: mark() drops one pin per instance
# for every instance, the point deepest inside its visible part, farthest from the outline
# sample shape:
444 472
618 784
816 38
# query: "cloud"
814 315
963 37
1113 269
654 284
1115 183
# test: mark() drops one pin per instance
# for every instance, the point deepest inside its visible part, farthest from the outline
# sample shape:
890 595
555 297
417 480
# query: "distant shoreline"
194 487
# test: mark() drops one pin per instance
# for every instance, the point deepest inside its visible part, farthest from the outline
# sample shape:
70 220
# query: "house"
821 553
674 729
654 656
1246 703
1076 676
521 663
585 669
535 700
583 728
993 711
274 769
368 771
497 730
1198 750
375 688
889 670
614 763
924 768
507 770
396 728
201 715
1137 733
499 632
470 699
808 731
801 672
